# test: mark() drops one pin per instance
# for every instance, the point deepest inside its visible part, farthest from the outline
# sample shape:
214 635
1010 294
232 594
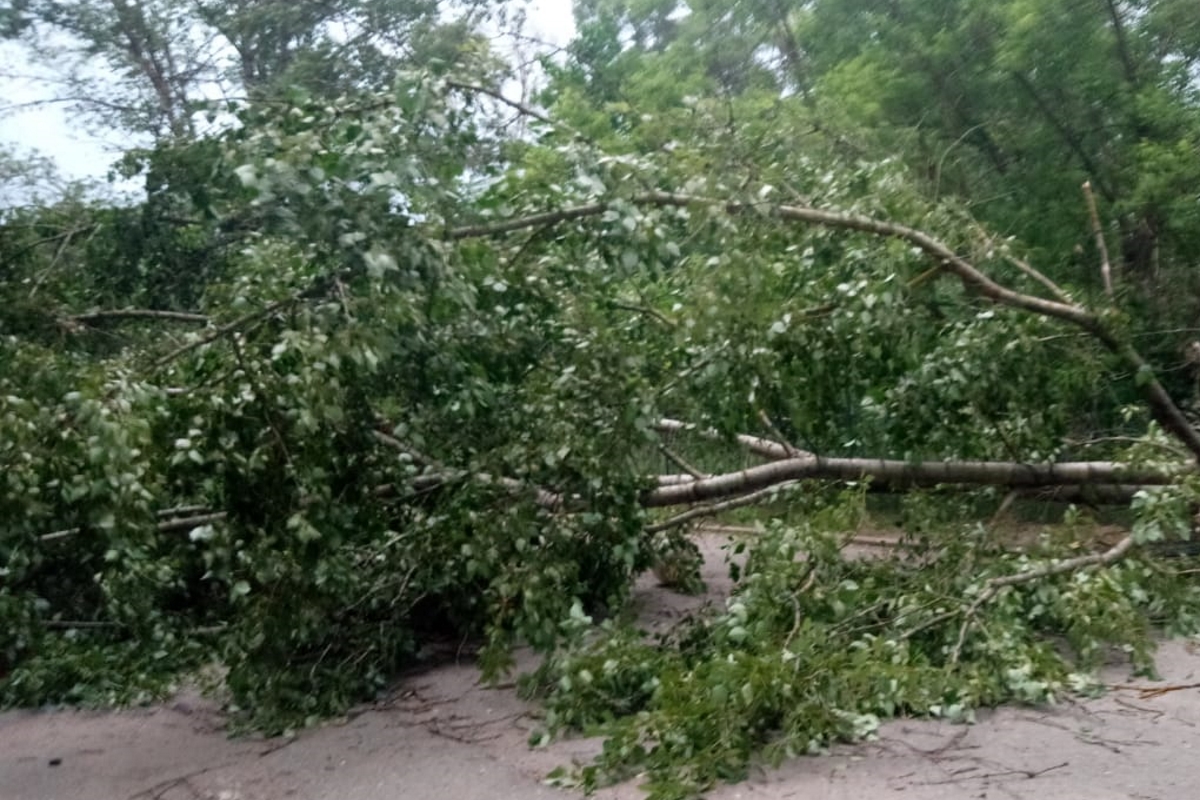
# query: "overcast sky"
80 153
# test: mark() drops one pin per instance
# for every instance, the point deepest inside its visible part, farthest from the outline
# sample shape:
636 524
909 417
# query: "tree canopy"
388 356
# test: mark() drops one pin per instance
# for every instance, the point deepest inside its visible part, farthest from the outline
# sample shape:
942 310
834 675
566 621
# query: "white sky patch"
80 153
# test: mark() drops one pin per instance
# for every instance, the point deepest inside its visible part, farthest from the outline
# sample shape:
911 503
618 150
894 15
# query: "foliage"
814 650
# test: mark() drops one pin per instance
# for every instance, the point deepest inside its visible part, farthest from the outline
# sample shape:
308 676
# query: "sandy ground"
444 735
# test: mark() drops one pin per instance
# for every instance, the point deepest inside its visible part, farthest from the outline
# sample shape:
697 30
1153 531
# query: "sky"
81 153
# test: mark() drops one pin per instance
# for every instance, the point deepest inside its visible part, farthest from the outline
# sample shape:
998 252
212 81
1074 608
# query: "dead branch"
1101 247
1149 692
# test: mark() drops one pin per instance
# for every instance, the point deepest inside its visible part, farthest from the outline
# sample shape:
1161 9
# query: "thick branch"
904 474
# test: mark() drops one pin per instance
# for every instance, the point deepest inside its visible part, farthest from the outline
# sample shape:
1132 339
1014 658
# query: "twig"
1028 773
1149 692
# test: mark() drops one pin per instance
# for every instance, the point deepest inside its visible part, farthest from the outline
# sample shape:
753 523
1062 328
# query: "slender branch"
137 313
79 624
755 444
222 331
1041 278
994 585
1073 142
1114 14
679 461
545 498
712 509
650 312
831 219
789 448
521 223
416 455
497 95
183 523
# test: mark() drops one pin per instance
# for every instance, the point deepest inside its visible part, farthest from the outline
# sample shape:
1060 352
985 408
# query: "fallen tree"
375 429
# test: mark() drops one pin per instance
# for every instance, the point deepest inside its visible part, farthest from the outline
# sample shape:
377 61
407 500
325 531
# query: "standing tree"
153 68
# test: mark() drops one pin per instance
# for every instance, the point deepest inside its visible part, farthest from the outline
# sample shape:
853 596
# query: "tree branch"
994 585
1127 64
183 523
137 313
224 330
755 444
1098 232
905 474
497 95
711 509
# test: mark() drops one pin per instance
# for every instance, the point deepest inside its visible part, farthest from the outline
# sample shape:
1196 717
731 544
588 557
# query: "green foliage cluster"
318 561
814 648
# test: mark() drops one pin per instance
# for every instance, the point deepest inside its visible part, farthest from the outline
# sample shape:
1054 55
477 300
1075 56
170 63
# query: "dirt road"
443 735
